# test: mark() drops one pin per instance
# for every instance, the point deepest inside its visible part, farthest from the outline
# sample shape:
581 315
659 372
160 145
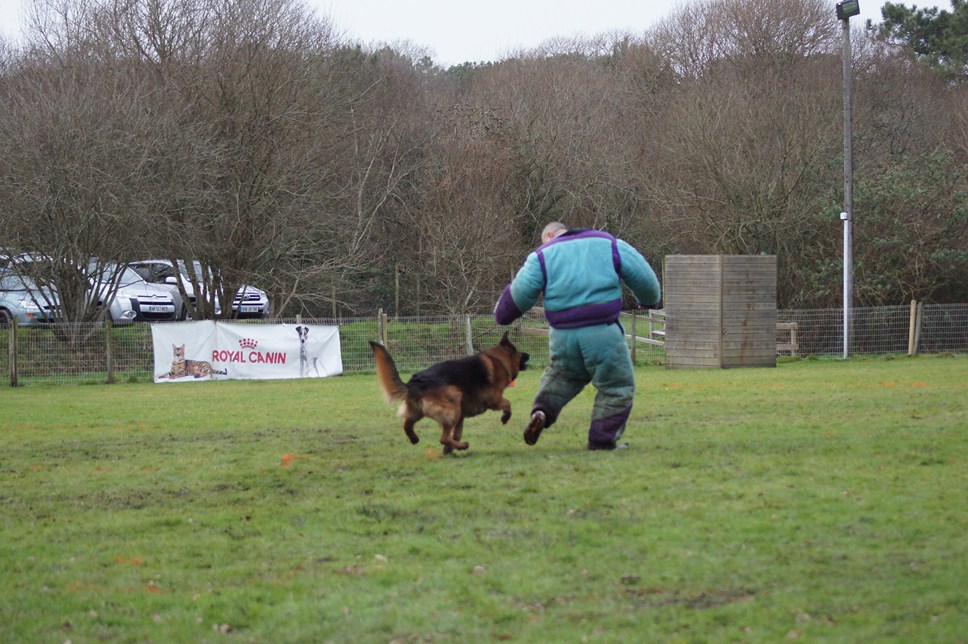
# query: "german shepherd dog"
452 390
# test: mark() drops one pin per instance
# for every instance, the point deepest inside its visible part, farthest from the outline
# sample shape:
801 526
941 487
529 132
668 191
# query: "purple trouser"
597 355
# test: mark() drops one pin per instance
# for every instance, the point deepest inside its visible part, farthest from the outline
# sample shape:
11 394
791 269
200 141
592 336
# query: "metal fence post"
468 335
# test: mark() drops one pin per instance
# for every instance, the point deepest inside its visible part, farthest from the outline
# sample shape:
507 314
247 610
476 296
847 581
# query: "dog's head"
518 359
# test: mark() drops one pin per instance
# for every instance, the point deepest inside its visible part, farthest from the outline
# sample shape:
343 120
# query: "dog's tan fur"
452 390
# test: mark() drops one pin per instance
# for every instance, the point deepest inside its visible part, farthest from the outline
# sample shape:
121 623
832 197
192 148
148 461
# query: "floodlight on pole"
845 10
848 9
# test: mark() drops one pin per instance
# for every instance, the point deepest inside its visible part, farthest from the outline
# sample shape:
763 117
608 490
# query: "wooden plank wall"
693 308
720 311
749 311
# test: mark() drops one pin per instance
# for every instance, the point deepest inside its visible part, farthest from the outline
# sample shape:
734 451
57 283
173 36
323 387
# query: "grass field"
822 500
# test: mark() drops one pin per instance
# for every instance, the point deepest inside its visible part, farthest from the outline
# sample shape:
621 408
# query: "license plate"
156 308
249 309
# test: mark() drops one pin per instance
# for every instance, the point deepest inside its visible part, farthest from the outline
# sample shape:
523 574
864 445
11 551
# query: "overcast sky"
457 32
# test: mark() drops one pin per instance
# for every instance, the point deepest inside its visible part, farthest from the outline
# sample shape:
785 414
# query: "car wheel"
5 318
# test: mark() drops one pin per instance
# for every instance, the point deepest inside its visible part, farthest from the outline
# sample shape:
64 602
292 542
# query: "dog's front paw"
506 416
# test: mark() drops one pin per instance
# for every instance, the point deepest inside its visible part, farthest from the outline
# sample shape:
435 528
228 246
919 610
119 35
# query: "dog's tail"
386 371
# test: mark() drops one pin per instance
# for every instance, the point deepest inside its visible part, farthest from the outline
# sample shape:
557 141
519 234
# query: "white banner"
209 350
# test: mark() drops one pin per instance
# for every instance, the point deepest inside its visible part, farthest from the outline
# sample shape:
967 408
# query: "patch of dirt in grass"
659 598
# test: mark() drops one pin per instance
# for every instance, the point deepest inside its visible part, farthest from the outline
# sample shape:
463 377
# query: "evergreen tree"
935 36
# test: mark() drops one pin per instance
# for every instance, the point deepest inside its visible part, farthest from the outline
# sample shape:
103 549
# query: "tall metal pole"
848 214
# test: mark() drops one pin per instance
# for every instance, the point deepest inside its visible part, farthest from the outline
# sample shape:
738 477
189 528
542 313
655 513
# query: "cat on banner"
210 350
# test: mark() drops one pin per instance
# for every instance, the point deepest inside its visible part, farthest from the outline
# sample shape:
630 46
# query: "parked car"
249 302
135 300
11 260
23 300
161 273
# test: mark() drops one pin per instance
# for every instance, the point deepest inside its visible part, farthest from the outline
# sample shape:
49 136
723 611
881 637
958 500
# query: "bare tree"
467 221
911 240
747 131
79 147
366 158
245 81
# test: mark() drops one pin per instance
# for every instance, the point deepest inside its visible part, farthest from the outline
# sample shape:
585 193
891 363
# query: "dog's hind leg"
408 428
449 436
456 434
410 418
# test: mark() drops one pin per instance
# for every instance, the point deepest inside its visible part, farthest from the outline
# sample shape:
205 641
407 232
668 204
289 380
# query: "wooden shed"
720 311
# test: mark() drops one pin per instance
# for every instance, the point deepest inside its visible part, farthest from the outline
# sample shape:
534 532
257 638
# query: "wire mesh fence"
933 328
97 353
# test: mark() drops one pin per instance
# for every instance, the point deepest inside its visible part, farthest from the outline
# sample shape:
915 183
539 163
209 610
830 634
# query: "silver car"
135 300
249 301
21 299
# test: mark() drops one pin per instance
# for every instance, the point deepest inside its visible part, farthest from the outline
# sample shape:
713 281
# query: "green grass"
820 501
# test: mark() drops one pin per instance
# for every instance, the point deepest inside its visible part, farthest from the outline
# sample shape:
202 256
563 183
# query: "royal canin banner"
210 350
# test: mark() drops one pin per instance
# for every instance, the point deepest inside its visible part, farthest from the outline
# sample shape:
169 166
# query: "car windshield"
196 268
109 272
15 282
153 271
164 271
